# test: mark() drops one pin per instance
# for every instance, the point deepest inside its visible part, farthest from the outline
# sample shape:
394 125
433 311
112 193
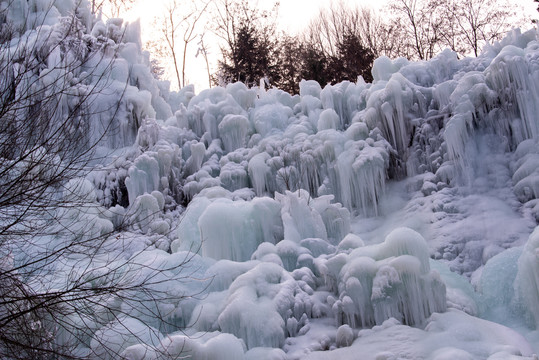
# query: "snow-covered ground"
392 220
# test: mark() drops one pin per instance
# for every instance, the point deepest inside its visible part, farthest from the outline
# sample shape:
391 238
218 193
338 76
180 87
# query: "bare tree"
462 25
422 23
451 34
476 22
203 50
158 53
111 8
63 269
382 37
181 21
336 42
327 30
169 30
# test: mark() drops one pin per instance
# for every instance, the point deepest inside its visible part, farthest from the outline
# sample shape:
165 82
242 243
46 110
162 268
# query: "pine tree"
250 59
353 60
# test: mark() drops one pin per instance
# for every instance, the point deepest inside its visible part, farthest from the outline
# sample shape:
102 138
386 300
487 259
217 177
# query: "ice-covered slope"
274 183
385 220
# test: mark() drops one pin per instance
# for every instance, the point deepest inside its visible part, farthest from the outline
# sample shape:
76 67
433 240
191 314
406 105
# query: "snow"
209 346
386 220
453 335
118 335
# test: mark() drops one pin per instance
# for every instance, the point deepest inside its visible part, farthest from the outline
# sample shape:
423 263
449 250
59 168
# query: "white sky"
294 15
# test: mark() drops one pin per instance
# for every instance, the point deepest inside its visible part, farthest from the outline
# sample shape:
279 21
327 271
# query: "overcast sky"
296 14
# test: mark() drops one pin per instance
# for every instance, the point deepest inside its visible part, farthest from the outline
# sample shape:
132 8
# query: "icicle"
233 130
259 172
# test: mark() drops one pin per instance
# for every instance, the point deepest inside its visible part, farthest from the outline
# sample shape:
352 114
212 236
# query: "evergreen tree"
250 59
314 66
289 65
352 60
251 50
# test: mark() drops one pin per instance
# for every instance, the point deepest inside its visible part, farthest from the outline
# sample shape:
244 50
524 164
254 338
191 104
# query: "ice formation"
527 279
390 280
353 218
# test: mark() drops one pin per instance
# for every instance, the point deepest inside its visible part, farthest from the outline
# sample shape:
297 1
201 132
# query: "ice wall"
232 229
271 181
525 175
75 73
344 139
269 141
348 139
